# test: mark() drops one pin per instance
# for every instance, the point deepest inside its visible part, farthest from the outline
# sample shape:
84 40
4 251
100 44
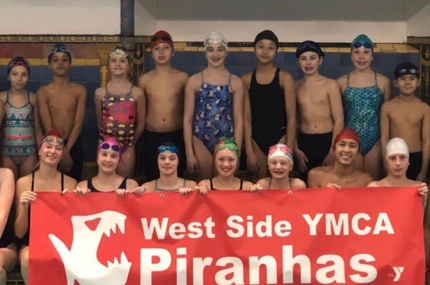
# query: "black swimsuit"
91 187
212 186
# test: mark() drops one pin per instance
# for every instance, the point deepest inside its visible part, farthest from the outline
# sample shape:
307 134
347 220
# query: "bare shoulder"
364 178
137 92
181 74
247 185
330 82
284 75
3 96
43 91
78 87
100 92
298 84
190 183
246 79
264 182
195 80
373 184
297 183
83 184
382 78
69 182
23 183
204 182
341 81
131 184
150 186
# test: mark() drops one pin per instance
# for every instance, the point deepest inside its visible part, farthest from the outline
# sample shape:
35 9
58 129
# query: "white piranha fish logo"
81 263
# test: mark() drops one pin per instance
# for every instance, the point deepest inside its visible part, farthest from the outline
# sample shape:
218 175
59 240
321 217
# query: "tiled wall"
86 69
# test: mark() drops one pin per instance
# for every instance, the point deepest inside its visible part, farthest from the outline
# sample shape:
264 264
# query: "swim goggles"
107 146
285 149
119 51
171 148
163 38
404 71
360 44
308 45
229 144
52 139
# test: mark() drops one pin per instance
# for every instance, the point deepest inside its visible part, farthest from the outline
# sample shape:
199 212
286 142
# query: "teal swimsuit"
362 108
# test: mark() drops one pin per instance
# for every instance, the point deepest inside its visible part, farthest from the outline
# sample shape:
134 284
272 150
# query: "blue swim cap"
362 40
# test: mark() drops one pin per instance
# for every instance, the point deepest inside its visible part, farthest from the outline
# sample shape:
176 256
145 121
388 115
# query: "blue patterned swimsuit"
362 108
213 113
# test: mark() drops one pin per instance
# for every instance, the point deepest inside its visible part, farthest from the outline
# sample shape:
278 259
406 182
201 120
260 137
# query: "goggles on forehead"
407 71
107 146
52 139
360 44
171 148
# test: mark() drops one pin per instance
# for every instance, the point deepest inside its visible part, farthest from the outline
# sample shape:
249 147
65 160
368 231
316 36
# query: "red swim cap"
161 37
347 133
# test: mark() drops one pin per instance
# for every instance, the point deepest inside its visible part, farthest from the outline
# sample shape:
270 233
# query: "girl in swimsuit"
270 106
45 178
280 162
363 92
226 163
7 247
120 109
168 161
108 159
213 108
21 126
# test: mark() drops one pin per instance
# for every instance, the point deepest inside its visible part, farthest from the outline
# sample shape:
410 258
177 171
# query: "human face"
265 51
18 77
51 152
118 65
407 84
309 62
216 54
108 160
361 57
60 64
346 151
162 53
226 162
168 162
397 164
280 167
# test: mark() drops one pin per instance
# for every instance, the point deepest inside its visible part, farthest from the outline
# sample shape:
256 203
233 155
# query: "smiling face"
216 54
226 162
309 62
361 57
108 160
118 65
407 84
265 51
51 152
168 162
280 167
346 150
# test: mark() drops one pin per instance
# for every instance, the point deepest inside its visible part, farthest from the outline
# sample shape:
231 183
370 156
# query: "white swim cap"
396 146
215 37
280 150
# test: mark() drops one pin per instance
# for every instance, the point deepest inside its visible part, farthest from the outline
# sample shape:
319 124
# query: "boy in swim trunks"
165 105
320 111
407 117
342 173
61 105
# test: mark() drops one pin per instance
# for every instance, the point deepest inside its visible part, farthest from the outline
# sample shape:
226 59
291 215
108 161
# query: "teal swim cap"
362 40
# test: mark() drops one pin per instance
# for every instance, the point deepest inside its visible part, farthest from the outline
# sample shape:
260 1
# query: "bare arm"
425 136
386 89
37 125
98 97
79 117
42 103
190 89
247 124
385 127
7 191
313 178
237 87
427 231
287 83
141 110
336 109
22 210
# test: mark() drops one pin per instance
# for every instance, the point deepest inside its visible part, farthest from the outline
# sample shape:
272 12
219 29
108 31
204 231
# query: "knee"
24 260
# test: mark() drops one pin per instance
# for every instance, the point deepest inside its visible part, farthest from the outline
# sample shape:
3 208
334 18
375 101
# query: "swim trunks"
415 164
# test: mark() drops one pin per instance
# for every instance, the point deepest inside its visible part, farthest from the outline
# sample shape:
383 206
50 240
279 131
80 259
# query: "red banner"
310 236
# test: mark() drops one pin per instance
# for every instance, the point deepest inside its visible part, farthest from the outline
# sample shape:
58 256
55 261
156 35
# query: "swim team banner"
310 236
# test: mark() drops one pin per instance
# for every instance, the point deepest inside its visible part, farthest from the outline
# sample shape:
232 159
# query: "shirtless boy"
407 117
320 111
164 91
342 173
61 106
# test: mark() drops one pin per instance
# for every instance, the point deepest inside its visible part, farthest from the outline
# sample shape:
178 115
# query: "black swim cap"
309 46
406 68
267 35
